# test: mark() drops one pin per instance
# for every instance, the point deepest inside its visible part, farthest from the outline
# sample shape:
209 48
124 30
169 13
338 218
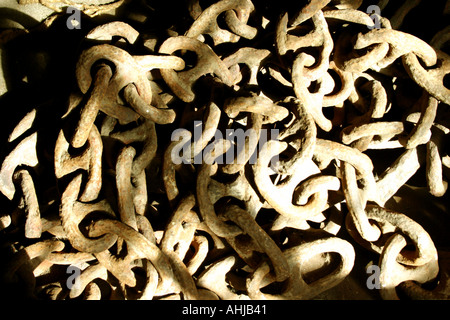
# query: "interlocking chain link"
152 206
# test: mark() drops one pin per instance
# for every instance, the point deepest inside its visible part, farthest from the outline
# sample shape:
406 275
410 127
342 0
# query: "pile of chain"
136 224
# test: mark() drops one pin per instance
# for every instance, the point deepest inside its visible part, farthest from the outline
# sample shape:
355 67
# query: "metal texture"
342 116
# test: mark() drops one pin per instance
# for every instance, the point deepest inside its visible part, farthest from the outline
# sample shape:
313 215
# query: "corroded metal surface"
321 91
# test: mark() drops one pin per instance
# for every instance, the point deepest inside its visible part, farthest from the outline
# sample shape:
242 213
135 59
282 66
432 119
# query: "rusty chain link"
323 94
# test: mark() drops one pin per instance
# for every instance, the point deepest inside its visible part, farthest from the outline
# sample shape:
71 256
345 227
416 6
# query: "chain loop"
393 273
182 82
298 258
236 13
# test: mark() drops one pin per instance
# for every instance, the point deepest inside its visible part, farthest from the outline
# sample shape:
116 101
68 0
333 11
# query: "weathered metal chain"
127 214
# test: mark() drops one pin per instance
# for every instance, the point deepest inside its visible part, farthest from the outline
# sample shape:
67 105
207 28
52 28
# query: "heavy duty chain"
145 205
